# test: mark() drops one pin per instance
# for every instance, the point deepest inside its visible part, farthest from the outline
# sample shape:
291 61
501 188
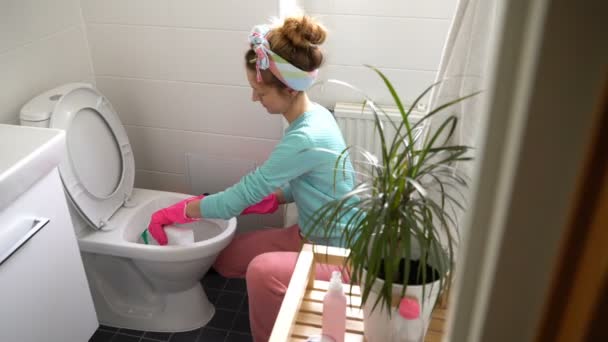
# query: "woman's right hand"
170 215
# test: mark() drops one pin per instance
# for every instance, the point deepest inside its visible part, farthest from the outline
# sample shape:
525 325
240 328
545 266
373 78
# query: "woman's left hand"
267 205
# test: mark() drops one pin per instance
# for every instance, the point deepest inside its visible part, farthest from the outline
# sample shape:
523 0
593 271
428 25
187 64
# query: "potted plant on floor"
400 225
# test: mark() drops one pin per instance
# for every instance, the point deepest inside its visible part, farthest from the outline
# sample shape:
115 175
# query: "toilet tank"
37 111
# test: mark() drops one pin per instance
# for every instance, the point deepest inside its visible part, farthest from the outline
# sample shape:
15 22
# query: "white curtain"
462 71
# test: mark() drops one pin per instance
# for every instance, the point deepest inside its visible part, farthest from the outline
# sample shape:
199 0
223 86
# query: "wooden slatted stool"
301 311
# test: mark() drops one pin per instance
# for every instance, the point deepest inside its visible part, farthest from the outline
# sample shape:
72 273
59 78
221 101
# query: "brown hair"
296 40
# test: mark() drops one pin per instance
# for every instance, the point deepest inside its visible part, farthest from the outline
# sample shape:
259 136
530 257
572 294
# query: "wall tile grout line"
214 134
87 42
161 172
176 27
325 67
169 81
38 39
380 67
321 14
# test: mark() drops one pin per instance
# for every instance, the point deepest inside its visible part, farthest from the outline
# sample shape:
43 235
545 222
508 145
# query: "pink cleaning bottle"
334 309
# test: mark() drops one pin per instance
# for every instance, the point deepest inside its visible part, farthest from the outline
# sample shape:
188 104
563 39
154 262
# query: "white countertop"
26 155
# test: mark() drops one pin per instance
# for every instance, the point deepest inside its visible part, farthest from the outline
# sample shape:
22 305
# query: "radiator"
358 126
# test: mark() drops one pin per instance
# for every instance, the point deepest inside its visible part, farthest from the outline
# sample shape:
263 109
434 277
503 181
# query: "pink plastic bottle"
334 309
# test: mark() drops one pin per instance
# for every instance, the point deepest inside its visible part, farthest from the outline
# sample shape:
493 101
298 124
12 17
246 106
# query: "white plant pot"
378 324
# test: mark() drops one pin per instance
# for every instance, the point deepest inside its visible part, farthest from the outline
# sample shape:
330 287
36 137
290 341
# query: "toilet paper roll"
176 236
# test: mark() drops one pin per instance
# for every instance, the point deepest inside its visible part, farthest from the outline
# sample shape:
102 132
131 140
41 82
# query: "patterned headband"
293 77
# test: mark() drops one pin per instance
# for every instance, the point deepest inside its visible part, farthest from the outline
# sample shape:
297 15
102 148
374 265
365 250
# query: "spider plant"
407 196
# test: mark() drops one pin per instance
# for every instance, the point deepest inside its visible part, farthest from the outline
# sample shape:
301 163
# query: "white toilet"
135 286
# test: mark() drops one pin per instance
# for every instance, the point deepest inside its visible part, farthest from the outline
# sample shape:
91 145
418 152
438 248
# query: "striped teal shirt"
296 165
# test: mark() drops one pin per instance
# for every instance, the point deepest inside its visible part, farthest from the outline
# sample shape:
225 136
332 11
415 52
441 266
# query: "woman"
281 64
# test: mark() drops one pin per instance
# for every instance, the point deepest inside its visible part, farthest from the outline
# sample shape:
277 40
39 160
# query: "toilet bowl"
134 286
152 288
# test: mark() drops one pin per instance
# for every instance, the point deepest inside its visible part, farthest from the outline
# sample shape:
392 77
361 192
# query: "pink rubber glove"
267 205
169 215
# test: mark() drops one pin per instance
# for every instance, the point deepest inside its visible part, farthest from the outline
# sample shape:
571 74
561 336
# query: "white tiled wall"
42 45
231 15
404 38
174 71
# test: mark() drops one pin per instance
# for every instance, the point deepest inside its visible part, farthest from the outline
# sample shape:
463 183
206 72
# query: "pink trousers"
266 258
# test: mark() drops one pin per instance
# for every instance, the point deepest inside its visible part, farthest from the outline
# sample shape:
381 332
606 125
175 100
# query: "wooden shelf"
302 307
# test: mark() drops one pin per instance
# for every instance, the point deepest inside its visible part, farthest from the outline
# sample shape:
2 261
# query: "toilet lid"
99 170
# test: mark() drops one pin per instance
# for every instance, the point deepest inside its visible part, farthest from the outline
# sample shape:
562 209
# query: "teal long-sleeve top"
300 165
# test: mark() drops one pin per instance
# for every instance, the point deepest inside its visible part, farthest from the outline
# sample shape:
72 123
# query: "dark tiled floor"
230 323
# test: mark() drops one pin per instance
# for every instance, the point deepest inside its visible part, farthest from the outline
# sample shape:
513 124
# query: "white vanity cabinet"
44 294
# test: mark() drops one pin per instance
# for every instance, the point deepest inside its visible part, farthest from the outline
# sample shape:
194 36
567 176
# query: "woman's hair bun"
302 31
